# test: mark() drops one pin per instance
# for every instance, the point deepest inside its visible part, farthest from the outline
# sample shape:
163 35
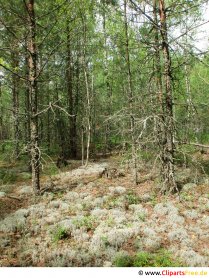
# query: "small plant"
187 197
112 202
110 222
59 233
105 240
87 221
163 259
153 200
141 217
132 198
7 176
144 259
123 261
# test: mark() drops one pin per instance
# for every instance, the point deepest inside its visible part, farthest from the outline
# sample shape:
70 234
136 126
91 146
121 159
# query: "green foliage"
132 198
59 233
153 200
146 155
144 259
50 169
183 159
87 221
112 202
204 166
7 176
123 261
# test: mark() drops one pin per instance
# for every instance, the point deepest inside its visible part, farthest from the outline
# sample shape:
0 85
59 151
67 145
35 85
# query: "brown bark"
71 110
130 96
15 96
108 87
33 93
168 147
1 113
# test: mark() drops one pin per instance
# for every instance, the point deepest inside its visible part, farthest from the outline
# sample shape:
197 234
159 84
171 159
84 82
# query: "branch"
193 144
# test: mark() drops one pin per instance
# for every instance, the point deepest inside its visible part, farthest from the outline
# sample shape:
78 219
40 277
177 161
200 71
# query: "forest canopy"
81 78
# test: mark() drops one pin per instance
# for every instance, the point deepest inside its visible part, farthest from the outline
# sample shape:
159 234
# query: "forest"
104 133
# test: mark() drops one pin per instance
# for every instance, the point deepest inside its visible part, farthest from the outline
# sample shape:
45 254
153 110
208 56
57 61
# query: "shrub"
59 233
132 198
87 221
123 261
144 259
7 176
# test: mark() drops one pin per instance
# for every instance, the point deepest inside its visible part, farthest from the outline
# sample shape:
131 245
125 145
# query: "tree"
33 95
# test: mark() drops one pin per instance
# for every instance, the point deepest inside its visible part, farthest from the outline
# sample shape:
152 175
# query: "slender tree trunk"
1 115
88 101
168 138
82 145
48 123
130 97
159 111
88 114
71 110
60 125
33 94
15 96
107 81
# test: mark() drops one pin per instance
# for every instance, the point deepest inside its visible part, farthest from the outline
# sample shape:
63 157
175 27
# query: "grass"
7 176
144 259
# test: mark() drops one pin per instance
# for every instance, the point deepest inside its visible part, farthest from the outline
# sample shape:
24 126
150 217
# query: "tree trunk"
71 110
130 97
108 87
88 97
15 96
60 125
168 131
33 94
1 115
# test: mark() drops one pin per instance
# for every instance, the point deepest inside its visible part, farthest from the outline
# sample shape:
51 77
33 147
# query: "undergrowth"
144 259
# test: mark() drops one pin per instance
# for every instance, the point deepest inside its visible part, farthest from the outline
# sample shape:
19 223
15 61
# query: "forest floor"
85 218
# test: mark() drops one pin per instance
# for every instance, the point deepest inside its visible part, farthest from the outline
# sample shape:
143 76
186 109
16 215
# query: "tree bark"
33 95
130 97
167 156
15 97
71 110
